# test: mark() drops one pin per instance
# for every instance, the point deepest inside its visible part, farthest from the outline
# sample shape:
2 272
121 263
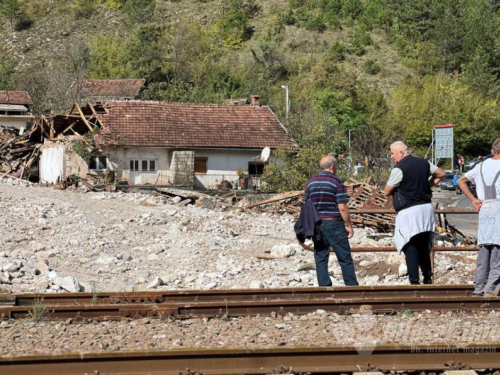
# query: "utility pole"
350 154
285 87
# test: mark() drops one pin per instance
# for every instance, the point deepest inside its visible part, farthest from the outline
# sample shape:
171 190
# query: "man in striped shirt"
329 197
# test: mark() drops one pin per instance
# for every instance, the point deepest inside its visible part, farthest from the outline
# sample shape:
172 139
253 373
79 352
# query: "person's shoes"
428 280
477 294
491 294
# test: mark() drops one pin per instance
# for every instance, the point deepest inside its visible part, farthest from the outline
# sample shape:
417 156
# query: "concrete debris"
155 283
69 284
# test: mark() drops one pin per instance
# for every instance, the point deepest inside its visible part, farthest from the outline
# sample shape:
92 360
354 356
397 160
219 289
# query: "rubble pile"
64 240
18 153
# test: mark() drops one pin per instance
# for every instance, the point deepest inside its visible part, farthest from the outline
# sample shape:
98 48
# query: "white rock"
70 284
176 200
282 251
155 283
9 266
403 270
42 267
106 259
210 286
371 280
306 278
255 284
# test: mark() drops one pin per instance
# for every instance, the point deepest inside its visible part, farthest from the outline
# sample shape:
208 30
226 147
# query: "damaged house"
97 90
157 143
15 110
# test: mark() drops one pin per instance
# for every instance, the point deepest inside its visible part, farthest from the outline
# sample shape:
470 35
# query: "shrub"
337 52
84 9
371 67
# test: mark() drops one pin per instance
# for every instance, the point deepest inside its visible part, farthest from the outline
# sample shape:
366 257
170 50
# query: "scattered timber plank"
88 185
186 194
278 198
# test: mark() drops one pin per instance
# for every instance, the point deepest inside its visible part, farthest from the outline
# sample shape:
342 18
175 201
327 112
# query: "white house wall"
51 164
222 165
58 161
119 161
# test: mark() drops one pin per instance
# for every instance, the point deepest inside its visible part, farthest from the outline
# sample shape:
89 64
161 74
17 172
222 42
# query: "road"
448 199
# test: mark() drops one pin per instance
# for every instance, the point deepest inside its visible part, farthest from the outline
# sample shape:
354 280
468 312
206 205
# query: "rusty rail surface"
185 296
356 299
335 359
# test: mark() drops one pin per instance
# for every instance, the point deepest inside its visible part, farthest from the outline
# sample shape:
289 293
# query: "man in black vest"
410 185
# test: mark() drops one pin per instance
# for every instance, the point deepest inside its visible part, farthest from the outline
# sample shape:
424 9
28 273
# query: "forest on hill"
381 70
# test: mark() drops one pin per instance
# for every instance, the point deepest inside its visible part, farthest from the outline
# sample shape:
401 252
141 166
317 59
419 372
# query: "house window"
255 168
145 165
200 165
98 163
134 165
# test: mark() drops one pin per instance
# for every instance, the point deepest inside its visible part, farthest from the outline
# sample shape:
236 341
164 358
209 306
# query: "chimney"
254 100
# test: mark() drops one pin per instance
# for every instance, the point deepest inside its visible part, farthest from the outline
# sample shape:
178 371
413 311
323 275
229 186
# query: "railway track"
332 360
190 304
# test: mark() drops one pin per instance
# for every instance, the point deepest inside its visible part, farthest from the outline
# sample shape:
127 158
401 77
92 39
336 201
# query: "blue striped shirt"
326 191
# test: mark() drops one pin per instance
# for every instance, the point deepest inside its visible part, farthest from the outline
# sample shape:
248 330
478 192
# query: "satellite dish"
264 155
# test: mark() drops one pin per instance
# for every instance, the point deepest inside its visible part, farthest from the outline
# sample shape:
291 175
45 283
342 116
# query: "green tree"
139 11
417 106
11 10
7 68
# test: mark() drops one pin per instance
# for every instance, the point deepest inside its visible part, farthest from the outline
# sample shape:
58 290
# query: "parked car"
447 183
471 163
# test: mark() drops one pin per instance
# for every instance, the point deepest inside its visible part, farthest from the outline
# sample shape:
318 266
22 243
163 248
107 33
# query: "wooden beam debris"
278 198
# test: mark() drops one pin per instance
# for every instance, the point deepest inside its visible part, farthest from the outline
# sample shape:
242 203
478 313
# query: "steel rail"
158 297
226 308
335 359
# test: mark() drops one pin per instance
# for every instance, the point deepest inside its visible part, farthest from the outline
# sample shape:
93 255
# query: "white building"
200 145
15 110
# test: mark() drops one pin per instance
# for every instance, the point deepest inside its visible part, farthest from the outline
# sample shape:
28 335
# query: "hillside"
383 69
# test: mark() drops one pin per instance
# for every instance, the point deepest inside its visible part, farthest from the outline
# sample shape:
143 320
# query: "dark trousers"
418 254
333 234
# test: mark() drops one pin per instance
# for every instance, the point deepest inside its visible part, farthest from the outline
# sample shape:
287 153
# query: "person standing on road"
329 197
486 176
456 177
410 185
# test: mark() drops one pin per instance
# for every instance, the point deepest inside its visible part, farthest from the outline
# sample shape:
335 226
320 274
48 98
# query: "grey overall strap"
490 191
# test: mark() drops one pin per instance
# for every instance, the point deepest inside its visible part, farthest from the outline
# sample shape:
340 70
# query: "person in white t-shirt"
486 176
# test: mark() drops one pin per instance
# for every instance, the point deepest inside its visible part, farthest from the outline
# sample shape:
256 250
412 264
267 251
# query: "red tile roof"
15 97
113 88
157 124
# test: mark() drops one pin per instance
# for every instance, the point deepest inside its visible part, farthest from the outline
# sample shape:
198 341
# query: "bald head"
398 151
327 162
